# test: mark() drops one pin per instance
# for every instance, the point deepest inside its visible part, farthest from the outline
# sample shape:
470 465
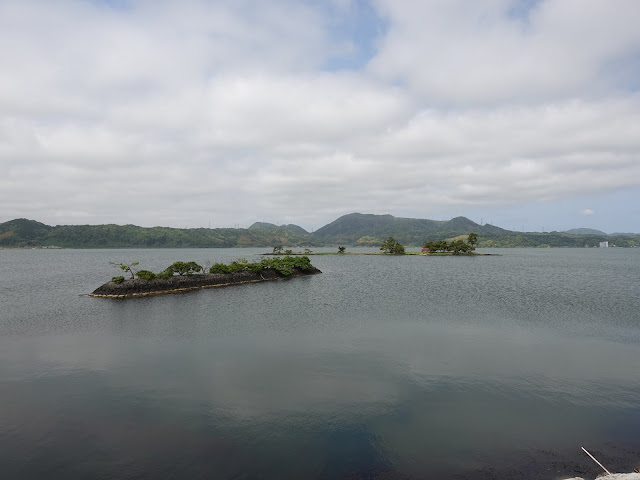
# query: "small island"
183 277
460 245
457 246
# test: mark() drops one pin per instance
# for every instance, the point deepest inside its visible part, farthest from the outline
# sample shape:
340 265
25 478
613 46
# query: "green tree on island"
439 246
283 265
459 246
146 275
341 249
392 246
127 268
472 240
184 268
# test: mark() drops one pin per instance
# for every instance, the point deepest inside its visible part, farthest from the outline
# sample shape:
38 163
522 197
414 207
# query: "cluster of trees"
284 266
180 268
456 247
392 246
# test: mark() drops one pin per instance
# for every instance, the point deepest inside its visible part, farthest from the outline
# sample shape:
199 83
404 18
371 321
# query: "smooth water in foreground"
379 368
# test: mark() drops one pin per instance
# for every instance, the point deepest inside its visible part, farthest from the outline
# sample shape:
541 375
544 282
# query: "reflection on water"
378 368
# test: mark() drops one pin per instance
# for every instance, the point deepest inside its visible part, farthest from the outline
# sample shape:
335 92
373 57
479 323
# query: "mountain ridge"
354 229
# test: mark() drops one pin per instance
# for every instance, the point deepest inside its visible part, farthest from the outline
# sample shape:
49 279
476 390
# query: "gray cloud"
181 113
463 52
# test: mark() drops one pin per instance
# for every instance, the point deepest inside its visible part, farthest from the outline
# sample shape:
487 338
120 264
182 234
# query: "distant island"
183 277
460 245
352 230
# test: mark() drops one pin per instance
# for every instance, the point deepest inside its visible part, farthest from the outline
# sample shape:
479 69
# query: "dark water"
380 368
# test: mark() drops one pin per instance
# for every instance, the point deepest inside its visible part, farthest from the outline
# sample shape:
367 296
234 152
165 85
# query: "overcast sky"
190 113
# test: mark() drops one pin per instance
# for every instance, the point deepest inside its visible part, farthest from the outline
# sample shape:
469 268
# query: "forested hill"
354 229
28 233
269 226
368 229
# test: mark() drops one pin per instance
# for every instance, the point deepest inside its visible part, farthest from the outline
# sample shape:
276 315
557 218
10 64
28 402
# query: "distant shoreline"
438 254
351 230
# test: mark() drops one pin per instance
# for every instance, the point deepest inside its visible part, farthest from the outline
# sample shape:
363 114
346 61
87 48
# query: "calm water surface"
381 367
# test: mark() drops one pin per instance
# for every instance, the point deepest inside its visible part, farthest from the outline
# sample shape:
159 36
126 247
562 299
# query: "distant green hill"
29 233
21 227
263 225
353 229
585 231
363 229
270 226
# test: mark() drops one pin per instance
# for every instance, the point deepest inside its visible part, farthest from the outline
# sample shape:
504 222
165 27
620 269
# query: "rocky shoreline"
186 283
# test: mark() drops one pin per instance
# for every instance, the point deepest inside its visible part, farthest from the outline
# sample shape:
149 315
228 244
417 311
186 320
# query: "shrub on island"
165 274
284 266
146 275
184 268
220 268
181 268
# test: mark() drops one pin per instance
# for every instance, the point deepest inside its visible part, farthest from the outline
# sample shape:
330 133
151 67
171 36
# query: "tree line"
456 247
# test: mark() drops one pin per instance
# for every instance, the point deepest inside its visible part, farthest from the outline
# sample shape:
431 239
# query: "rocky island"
186 276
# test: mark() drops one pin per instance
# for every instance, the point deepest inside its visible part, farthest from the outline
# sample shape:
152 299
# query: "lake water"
379 368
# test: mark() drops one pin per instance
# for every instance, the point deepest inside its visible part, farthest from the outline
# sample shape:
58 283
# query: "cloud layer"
185 113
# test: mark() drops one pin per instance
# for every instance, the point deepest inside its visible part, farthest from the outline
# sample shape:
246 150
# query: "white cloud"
587 212
460 52
177 113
